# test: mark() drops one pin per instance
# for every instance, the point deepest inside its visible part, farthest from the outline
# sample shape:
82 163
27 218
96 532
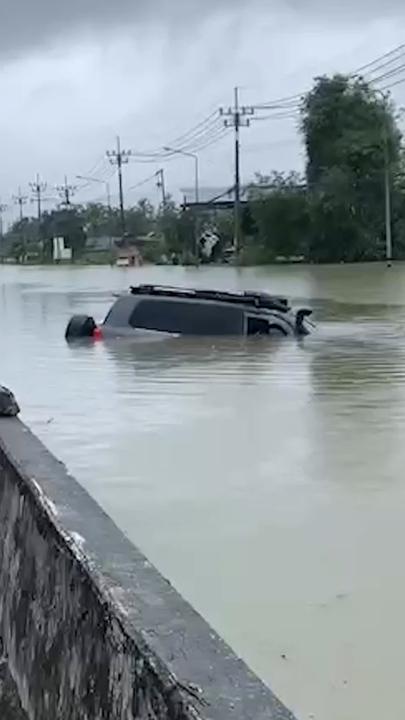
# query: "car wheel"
80 326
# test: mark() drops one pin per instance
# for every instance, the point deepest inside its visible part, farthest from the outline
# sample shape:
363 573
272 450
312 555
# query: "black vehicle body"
173 311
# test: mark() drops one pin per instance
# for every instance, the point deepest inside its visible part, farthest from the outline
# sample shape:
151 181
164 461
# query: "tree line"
334 212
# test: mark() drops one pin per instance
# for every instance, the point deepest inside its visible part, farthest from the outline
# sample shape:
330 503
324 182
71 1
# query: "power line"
278 116
203 134
194 132
96 169
206 121
206 141
294 101
398 82
387 67
209 138
389 74
142 182
399 48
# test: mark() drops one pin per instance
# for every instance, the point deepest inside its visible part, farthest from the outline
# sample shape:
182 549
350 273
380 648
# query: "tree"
67 223
350 134
279 208
98 220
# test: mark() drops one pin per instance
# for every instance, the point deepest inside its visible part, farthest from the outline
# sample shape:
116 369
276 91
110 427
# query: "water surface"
266 480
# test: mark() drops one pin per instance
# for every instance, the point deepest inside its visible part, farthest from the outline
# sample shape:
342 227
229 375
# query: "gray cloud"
31 24
27 24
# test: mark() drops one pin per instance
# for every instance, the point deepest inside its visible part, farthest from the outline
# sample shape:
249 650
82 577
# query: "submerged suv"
173 311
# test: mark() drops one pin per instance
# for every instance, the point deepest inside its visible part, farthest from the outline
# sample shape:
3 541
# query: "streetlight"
175 151
108 195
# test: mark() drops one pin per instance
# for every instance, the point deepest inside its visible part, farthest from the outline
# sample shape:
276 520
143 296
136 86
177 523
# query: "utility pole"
38 188
387 178
236 117
387 192
161 184
20 200
3 208
119 158
66 191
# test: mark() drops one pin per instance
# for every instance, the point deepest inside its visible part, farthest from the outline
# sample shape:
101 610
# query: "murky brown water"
265 480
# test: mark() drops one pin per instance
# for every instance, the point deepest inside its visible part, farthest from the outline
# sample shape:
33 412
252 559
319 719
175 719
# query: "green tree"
177 227
350 134
279 208
67 223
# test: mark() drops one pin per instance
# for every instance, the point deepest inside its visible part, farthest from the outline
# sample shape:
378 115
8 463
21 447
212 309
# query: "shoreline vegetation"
336 212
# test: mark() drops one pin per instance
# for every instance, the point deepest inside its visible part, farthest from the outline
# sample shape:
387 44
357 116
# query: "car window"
191 318
120 311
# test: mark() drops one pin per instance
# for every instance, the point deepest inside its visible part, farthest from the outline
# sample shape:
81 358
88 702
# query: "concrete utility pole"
387 193
38 188
66 191
3 208
236 118
161 184
119 158
387 182
20 200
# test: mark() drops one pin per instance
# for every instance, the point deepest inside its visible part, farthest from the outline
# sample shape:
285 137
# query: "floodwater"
265 479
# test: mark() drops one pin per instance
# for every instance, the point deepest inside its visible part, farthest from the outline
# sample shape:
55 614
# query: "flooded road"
265 480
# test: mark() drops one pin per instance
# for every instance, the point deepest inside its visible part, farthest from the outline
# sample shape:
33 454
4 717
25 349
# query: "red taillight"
97 334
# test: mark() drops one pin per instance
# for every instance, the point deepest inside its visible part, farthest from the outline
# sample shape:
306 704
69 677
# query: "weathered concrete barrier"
90 629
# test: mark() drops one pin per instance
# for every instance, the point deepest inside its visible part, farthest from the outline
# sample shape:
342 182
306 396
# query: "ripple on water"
265 479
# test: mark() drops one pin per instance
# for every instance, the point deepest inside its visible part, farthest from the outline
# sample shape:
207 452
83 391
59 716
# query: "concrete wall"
90 629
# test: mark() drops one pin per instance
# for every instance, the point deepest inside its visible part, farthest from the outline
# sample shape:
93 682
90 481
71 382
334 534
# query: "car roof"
252 298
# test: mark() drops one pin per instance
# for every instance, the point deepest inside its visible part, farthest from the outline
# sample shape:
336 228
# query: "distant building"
129 256
61 252
102 244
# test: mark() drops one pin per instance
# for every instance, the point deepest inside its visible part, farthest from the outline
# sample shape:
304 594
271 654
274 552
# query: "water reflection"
264 478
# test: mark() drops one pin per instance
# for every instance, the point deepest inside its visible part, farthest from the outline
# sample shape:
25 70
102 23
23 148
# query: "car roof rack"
255 299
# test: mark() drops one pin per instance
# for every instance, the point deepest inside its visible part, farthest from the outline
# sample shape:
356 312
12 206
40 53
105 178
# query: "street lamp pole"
176 151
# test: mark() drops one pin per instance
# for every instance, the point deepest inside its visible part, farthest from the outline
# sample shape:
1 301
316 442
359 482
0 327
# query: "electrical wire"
278 116
142 182
390 74
193 139
398 82
198 143
193 133
399 49
379 63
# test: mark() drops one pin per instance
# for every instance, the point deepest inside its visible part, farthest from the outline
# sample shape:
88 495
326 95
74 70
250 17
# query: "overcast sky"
73 75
